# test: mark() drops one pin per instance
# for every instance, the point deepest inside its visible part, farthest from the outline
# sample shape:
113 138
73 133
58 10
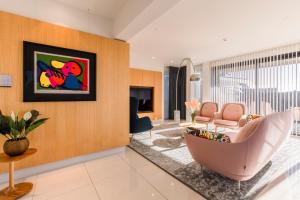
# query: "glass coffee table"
209 127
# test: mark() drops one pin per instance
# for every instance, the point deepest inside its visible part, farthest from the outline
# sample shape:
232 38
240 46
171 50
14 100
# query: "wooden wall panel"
147 78
136 77
74 128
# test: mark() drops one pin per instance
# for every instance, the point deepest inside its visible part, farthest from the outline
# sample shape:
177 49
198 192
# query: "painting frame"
71 86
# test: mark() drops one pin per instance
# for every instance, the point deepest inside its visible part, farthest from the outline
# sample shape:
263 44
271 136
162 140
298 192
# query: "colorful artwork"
58 74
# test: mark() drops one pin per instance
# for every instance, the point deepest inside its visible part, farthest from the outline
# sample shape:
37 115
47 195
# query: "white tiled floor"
128 176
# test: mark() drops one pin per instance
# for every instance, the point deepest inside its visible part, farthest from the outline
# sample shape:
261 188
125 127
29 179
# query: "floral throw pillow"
251 117
219 137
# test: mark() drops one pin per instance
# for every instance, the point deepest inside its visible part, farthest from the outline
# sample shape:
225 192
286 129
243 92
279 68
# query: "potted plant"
192 106
16 129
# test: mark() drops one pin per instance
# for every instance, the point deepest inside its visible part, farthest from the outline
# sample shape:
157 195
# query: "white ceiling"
105 8
162 32
197 28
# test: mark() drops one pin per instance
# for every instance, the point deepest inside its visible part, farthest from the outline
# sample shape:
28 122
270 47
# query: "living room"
149 99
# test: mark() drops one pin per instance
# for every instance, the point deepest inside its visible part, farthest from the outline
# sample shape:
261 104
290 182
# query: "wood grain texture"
74 128
147 78
6 159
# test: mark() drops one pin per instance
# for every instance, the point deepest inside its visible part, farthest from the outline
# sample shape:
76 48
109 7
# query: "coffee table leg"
11 175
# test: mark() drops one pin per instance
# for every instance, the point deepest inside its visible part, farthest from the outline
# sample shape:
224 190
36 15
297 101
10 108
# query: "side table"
15 191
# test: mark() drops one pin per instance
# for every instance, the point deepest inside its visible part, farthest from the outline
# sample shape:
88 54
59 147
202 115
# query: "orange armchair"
232 115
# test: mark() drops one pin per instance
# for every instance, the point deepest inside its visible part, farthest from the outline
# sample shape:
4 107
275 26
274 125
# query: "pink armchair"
232 115
206 113
249 152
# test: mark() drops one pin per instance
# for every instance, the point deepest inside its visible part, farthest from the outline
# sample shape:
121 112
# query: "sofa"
250 149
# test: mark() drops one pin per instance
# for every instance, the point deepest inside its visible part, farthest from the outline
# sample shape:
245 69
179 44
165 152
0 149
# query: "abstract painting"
58 74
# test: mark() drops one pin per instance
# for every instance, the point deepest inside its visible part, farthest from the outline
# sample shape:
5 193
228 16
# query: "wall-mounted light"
5 80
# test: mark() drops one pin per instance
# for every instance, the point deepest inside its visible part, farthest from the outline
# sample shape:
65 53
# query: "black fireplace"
144 96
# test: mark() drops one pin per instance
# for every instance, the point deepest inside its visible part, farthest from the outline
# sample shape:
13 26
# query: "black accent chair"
138 125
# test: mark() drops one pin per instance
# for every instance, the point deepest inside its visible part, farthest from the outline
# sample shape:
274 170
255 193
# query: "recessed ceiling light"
171 61
153 57
224 39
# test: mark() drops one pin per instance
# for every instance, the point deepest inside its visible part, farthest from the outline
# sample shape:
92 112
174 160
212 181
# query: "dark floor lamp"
193 77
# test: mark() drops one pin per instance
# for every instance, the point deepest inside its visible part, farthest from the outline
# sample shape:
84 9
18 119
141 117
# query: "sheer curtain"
266 81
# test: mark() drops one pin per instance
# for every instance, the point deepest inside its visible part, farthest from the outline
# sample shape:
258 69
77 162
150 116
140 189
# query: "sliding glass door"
265 82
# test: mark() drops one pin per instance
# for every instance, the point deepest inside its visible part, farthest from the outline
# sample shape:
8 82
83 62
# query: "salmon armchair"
206 112
254 146
232 115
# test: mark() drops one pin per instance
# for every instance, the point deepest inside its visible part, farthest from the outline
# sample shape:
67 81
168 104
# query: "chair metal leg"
239 185
131 138
150 133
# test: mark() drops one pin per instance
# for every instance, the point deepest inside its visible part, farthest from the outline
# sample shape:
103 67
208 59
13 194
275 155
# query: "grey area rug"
168 150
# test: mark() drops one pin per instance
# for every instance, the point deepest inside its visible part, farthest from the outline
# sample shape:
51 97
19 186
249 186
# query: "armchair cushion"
143 124
233 111
202 119
225 122
208 109
248 129
243 121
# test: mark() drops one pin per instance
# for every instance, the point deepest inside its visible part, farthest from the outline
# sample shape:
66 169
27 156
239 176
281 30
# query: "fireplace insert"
144 96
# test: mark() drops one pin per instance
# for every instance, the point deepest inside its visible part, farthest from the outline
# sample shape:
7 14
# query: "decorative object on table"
194 77
58 74
219 137
15 191
192 106
252 117
16 130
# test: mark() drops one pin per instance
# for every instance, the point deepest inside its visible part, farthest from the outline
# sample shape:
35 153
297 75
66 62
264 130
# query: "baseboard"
31 171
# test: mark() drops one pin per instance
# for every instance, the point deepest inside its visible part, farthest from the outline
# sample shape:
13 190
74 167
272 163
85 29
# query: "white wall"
127 15
206 82
58 13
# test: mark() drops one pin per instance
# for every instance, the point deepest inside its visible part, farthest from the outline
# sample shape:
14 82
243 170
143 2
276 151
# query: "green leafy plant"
13 127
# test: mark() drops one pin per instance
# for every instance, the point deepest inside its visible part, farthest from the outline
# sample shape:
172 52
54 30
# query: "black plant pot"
16 147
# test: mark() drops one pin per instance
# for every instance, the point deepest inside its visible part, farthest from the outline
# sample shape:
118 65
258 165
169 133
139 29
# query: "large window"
265 82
